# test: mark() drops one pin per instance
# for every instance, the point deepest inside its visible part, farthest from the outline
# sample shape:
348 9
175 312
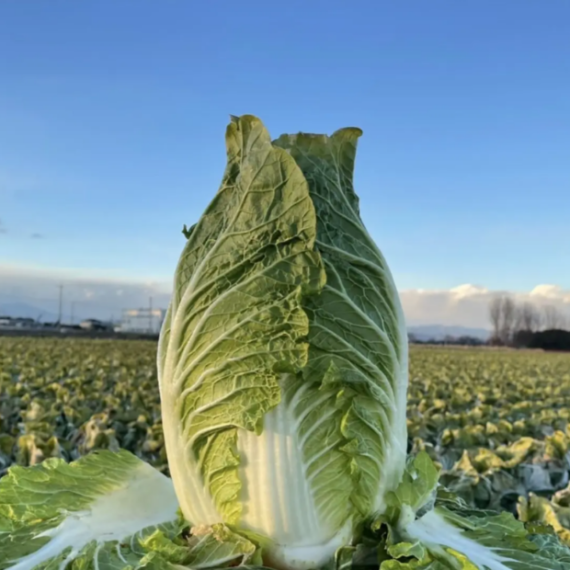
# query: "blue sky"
112 119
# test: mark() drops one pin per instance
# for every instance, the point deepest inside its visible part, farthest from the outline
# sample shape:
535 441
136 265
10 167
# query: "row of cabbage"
496 422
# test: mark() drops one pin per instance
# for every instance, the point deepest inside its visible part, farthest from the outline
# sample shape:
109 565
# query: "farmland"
497 422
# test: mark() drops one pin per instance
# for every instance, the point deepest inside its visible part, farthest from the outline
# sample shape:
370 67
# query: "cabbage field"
497 422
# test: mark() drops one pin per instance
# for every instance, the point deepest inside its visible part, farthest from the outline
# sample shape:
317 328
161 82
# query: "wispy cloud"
33 235
97 297
92 296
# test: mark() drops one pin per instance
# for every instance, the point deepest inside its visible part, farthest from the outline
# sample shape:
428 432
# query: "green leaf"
91 511
418 485
407 550
210 547
358 339
479 541
236 321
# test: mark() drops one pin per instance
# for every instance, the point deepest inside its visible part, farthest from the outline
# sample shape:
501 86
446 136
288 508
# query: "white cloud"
465 305
468 304
468 290
553 292
34 289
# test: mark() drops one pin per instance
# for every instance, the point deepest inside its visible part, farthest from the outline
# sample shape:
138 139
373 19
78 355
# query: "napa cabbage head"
283 358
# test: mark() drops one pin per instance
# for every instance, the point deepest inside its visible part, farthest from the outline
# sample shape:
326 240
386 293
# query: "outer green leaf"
90 511
418 485
497 542
211 547
357 335
236 328
407 550
461 537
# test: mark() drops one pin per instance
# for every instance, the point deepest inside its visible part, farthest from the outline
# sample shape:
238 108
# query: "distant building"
94 325
17 322
71 328
142 321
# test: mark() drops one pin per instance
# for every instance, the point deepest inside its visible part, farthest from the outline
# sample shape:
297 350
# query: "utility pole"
72 311
60 304
150 315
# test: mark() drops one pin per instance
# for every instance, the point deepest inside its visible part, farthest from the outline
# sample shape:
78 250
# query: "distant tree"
495 311
505 316
449 339
553 319
508 318
522 338
526 323
469 340
528 317
551 339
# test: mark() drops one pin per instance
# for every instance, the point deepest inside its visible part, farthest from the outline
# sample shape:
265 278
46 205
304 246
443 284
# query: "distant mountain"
23 310
439 332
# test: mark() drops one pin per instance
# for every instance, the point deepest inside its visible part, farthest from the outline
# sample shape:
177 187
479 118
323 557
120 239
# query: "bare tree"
527 322
553 319
508 319
519 318
503 314
528 318
495 316
539 319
